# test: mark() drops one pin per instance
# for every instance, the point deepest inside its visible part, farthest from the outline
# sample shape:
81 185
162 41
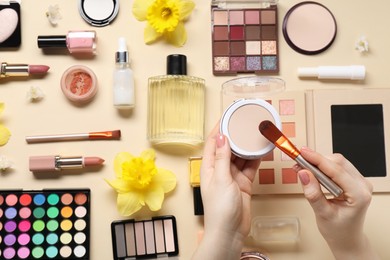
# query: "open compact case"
10 24
98 13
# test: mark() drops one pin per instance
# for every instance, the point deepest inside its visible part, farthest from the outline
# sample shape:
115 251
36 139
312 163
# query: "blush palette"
45 224
244 37
153 238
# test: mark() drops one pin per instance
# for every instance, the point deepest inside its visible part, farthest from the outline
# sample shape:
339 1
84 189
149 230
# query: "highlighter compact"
240 123
98 13
246 103
10 32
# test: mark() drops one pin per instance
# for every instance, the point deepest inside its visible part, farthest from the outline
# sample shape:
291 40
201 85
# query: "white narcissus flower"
53 14
361 44
4 163
35 93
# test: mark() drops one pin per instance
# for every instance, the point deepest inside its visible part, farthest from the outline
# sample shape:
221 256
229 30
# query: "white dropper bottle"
123 78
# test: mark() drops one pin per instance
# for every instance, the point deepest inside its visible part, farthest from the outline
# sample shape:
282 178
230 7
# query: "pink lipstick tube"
58 163
74 41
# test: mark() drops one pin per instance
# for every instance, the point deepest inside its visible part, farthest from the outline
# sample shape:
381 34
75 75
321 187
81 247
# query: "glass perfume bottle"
176 106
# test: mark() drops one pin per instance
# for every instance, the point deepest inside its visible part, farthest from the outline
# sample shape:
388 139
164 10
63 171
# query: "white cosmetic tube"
353 72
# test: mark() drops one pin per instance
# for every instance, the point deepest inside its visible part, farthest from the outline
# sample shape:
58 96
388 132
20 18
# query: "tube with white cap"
353 72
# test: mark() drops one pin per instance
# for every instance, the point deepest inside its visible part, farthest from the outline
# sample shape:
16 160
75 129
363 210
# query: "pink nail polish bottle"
74 41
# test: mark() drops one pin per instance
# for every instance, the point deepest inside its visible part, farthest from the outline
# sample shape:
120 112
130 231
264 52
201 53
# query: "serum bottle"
176 106
123 78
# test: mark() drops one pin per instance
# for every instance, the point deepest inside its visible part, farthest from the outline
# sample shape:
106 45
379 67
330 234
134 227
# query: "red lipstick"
21 70
275 136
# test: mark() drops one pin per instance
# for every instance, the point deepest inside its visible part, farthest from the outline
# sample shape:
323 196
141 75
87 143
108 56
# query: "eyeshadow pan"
252 32
221 63
237 48
268 32
253 47
287 107
160 241
237 33
221 48
268 17
252 17
289 176
237 63
220 18
139 236
288 129
268 157
236 17
253 63
149 236
221 33
268 47
266 176
269 63
130 239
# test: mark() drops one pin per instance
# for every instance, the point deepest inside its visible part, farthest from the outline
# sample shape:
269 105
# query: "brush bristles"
270 131
116 134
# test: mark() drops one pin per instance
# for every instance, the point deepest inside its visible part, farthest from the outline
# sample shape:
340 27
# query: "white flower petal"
4 163
35 93
53 14
361 44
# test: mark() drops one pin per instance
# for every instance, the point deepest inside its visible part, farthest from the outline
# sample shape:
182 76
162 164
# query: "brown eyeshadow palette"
154 238
44 224
244 37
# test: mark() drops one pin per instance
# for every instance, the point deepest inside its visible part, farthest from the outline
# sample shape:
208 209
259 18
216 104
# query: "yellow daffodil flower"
139 182
165 18
4 132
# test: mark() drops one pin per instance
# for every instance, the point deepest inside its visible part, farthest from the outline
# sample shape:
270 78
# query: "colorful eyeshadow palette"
244 37
44 224
153 238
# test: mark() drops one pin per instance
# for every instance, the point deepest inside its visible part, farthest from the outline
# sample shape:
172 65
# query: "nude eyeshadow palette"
44 224
244 37
153 238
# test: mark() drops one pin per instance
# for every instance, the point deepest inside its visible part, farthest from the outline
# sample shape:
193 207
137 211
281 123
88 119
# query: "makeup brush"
275 136
104 135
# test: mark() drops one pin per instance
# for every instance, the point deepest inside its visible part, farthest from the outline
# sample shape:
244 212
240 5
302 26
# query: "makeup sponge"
8 23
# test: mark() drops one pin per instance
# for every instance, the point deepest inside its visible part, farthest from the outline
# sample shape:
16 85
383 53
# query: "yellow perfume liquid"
176 106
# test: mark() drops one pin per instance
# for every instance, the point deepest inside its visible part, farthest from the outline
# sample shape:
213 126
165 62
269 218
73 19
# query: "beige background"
55 114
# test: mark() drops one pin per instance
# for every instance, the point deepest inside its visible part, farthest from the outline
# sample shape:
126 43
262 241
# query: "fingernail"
220 140
304 178
305 148
296 168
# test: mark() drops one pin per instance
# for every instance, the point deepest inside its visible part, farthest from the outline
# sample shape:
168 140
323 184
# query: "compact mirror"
98 12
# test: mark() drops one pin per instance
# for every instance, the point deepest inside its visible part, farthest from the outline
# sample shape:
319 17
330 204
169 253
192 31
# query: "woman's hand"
340 220
226 185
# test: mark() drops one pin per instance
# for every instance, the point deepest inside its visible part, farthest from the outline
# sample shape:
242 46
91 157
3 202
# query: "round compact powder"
79 84
240 124
309 28
98 12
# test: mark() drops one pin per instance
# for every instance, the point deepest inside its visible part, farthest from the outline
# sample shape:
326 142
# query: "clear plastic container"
252 87
275 229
